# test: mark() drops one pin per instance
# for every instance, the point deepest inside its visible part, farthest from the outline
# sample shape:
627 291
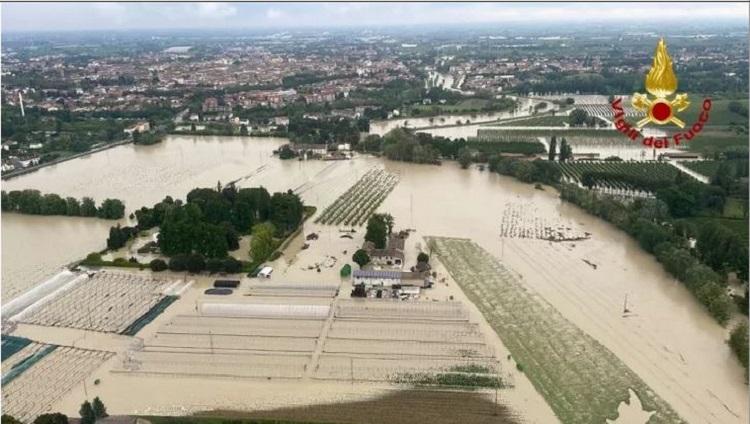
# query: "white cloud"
215 10
92 15
274 14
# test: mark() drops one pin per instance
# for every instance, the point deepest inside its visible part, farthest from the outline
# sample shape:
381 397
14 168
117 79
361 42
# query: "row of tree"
566 152
33 202
195 263
536 171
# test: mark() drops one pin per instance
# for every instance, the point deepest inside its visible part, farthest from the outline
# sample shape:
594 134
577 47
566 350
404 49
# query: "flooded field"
668 341
453 126
35 248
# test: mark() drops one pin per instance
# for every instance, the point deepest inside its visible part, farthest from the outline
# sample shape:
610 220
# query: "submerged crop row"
581 380
360 200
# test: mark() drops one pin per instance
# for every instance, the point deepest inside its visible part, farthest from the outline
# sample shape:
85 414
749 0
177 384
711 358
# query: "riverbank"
30 169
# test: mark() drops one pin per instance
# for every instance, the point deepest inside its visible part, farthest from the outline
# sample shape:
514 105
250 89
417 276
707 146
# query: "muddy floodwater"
458 125
666 338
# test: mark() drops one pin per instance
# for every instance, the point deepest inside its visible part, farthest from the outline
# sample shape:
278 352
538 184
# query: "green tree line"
33 202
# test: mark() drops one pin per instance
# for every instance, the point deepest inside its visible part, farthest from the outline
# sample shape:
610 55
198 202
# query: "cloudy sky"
98 16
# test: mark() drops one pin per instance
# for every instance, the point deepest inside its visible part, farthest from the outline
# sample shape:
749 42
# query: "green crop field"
581 380
719 114
621 175
703 167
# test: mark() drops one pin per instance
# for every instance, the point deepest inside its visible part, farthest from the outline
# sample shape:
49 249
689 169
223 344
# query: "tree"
72 206
423 257
119 236
9 419
111 209
361 258
158 265
232 265
578 117
55 418
178 263
243 129
286 211
738 341
262 243
286 152
389 221
552 148
465 157
214 265
87 413
88 207
566 152
195 263
377 231
98 406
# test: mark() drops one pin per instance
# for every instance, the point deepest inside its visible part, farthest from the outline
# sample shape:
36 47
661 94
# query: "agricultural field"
720 114
703 167
605 139
434 344
521 220
492 134
250 347
581 380
464 106
106 301
737 168
356 205
536 121
289 335
711 141
429 406
605 110
619 175
502 136
60 368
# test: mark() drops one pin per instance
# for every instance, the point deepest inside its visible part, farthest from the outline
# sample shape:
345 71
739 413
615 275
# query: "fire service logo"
661 83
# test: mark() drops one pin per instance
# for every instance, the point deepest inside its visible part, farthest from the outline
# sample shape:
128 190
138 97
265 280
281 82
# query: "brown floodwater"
667 339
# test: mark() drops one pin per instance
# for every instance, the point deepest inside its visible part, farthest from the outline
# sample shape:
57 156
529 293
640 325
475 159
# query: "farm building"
392 255
370 278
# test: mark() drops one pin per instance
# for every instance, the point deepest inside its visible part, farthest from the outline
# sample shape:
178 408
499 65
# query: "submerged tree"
361 258
566 152
377 230
98 406
465 157
552 148
87 413
55 418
